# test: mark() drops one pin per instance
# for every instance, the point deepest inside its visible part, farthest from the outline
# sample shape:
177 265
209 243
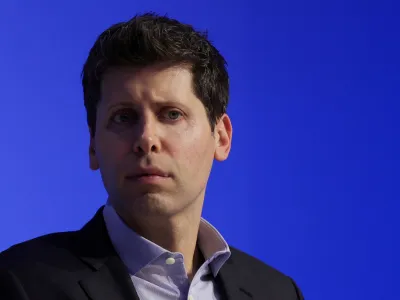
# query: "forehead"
155 83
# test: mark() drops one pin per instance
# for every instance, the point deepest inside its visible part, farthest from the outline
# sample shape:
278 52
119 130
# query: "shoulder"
249 262
257 273
43 267
40 249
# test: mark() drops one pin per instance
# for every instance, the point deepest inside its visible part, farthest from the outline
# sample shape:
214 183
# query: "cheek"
195 155
111 150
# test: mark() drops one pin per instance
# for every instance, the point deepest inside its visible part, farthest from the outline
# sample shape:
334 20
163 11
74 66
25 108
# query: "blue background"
311 186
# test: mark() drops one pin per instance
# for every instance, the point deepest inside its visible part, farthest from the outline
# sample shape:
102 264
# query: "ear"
93 163
223 138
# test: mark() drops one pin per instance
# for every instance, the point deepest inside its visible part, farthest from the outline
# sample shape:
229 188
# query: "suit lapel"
111 281
231 281
110 278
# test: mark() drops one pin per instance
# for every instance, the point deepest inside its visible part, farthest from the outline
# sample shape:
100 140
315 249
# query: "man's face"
153 142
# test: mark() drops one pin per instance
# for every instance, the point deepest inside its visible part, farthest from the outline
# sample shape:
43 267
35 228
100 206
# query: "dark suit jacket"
83 265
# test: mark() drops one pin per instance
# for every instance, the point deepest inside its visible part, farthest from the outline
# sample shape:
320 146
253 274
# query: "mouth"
148 180
137 176
148 176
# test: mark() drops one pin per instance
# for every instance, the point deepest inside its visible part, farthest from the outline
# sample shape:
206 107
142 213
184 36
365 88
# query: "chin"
151 204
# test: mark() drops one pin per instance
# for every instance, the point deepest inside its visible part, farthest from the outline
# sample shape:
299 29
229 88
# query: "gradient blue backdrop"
312 182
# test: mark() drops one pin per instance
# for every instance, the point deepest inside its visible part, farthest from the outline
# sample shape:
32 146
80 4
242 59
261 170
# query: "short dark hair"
150 39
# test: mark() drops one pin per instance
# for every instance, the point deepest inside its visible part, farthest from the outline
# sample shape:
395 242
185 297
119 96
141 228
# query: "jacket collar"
110 278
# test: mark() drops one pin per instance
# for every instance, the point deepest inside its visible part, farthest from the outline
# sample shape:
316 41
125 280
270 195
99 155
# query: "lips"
149 178
146 175
148 172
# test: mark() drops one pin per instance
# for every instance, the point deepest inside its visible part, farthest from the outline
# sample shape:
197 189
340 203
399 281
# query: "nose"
147 140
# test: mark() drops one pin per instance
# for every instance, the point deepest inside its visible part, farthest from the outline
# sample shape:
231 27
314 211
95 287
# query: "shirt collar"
136 251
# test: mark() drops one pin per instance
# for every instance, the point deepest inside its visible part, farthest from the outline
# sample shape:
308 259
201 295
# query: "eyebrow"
154 104
119 104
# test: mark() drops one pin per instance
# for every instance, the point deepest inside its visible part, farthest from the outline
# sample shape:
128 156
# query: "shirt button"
170 261
190 297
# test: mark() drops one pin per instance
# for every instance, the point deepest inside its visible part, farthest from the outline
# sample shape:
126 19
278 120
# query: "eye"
123 117
172 114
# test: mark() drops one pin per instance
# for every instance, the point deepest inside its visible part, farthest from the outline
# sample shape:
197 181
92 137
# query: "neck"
177 233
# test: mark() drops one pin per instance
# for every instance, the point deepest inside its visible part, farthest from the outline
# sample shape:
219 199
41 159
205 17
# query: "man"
156 93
